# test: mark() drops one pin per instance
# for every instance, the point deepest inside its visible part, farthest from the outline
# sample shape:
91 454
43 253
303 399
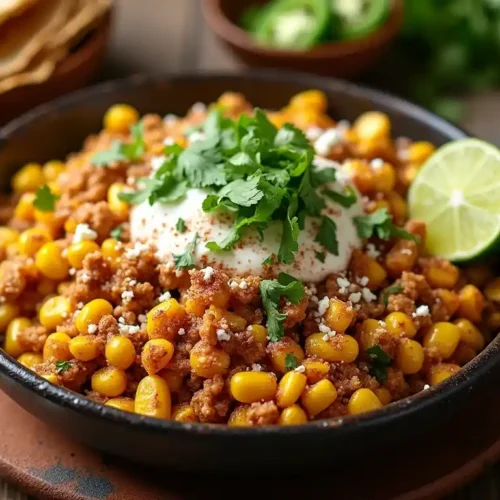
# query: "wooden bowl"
339 59
75 71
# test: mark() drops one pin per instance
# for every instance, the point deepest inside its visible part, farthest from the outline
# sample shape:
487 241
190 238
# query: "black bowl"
55 129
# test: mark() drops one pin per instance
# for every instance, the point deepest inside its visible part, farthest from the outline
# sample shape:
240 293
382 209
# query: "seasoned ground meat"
211 404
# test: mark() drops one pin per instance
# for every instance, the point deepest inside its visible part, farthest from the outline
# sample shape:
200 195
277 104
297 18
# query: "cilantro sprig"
380 360
180 225
394 289
290 362
45 199
63 366
380 224
117 232
271 292
186 260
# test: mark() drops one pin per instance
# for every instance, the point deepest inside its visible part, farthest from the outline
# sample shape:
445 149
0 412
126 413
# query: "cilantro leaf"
117 232
345 200
186 259
45 200
380 224
181 225
321 256
321 176
290 362
113 155
289 241
394 289
327 235
242 192
380 360
291 135
313 203
269 261
63 366
271 292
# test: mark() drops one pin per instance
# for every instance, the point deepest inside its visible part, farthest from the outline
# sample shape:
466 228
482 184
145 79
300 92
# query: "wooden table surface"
170 36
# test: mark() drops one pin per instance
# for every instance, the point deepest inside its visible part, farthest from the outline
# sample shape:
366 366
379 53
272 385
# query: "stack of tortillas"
36 34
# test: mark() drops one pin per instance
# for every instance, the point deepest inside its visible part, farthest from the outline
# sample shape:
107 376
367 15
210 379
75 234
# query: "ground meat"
244 345
214 290
415 287
92 281
95 396
107 327
396 383
295 313
400 303
245 291
263 413
32 338
337 409
98 216
170 278
12 279
211 404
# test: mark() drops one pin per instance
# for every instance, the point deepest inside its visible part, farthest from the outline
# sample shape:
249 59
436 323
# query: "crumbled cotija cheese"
222 334
84 232
207 273
164 296
127 296
421 311
323 305
128 328
92 328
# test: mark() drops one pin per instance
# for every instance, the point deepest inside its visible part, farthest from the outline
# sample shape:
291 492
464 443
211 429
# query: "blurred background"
441 53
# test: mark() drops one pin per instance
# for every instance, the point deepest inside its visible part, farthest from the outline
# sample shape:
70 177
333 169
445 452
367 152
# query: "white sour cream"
156 224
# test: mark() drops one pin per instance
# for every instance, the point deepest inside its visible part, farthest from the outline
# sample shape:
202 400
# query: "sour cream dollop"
157 225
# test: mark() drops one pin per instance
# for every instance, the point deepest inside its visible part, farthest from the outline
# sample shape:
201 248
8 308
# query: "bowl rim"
235 35
463 380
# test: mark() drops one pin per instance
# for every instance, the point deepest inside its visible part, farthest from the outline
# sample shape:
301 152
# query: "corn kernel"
463 354
51 377
398 207
7 313
25 209
372 126
410 356
335 349
278 352
366 266
84 347
54 312
290 387
56 347
363 401
91 314
367 332
156 354
319 397
110 382
7 236
30 359
183 413
259 333
52 170
442 277
492 290
479 275
384 395
315 370
124 404
50 262
118 207
239 417
400 324
419 152
207 361
119 118
153 398
444 337
78 251
384 178
293 415
440 372
310 99
12 345
471 303
250 387
194 307
236 323
163 318
361 174
173 378
449 299
29 178
339 315
31 240
470 334
120 352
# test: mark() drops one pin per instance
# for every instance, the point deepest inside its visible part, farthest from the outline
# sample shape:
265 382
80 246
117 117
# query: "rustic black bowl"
55 129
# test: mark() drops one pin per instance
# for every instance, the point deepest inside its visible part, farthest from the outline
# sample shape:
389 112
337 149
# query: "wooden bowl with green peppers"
341 38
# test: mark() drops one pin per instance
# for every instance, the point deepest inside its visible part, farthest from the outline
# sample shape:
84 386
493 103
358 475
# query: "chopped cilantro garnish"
380 224
186 259
327 235
380 361
272 291
45 200
181 225
290 362
394 289
346 199
63 366
321 256
269 261
117 233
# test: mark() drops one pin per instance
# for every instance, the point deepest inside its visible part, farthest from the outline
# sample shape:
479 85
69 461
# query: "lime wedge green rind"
457 195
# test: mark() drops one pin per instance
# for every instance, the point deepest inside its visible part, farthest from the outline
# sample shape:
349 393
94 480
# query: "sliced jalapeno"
294 24
359 18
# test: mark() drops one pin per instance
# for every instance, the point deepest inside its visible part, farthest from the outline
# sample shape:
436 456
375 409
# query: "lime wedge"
457 194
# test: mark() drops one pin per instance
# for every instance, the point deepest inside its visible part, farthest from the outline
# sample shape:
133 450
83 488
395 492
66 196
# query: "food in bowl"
238 266
303 24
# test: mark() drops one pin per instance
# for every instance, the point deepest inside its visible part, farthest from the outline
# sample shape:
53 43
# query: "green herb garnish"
290 362
321 256
380 224
272 291
380 360
327 235
117 232
186 259
45 200
63 366
181 225
346 199
394 289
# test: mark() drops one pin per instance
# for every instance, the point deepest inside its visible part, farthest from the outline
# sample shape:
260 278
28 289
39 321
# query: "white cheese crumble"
127 296
84 232
243 285
135 251
327 140
368 296
132 282
406 251
343 283
377 163
222 335
421 311
326 329
363 281
314 133
427 386
233 284
300 369
199 107
164 296
128 328
383 324
355 297
170 119
85 277
181 332
256 367
142 318
323 305
371 251
168 141
207 273
72 271
92 328
196 136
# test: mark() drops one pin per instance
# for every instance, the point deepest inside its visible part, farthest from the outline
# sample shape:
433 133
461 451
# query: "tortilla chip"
12 8
23 37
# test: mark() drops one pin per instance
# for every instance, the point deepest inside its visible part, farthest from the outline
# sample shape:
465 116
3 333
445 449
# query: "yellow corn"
339 315
470 334
463 354
51 377
290 387
110 382
334 349
239 417
124 404
310 99
315 370
492 290
444 337
156 354
52 170
449 299
7 236
259 333
54 312
91 314
250 387
410 356
30 359
419 152
236 323
361 174
293 415
183 413
471 303
372 126
384 178
195 307
442 277
173 378
119 118
278 352
84 347
367 333
7 313
363 401
161 318
400 324
208 362
56 347
118 207
318 397
398 207
24 209
368 267
384 395
50 262
29 178
153 397
440 372
120 352
12 345
78 251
